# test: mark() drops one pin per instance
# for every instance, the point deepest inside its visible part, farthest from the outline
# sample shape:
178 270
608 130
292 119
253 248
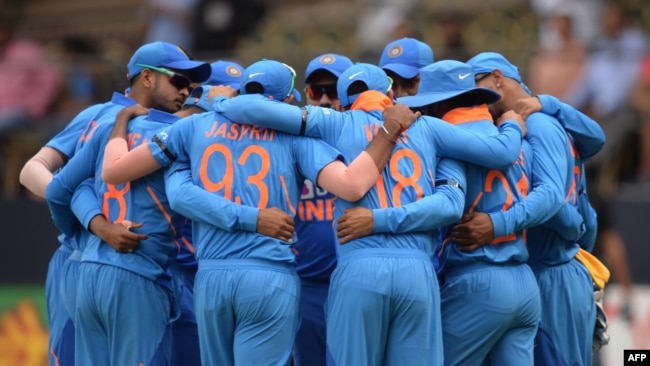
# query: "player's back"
408 176
490 190
142 200
253 166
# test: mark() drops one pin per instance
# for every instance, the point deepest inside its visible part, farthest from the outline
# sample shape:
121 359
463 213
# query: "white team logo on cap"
327 60
395 51
233 71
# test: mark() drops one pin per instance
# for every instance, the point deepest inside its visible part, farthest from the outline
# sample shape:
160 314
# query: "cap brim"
296 94
405 71
197 71
481 96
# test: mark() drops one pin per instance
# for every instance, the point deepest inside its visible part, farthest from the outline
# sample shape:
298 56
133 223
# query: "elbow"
353 195
110 177
173 202
24 175
107 177
456 209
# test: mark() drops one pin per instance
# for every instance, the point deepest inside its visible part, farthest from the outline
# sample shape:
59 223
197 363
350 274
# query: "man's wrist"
392 127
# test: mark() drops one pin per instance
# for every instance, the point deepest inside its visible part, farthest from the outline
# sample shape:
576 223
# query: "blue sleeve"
567 223
589 215
85 204
79 168
442 208
258 110
172 143
494 152
587 134
313 155
197 204
58 201
549 173
66 140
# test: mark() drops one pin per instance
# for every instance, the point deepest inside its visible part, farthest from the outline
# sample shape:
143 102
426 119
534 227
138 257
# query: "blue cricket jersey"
68 141
316 246
248 165
489 190
588 139
142 200
551 181
411 173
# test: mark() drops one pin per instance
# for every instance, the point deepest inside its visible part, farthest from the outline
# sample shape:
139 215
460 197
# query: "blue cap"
225 73
277 79
163 54
486 62
199 98
405 57
374 78
446 79
332 62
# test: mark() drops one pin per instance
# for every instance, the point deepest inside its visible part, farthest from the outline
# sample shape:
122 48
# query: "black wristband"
163 147
303 124
450 183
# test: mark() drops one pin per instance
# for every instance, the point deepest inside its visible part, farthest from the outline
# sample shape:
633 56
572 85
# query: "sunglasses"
316 91
179 81
293 78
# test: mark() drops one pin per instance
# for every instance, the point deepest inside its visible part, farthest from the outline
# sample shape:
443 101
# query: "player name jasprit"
238 132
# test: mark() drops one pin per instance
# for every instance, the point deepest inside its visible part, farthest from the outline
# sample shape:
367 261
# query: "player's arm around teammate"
351 182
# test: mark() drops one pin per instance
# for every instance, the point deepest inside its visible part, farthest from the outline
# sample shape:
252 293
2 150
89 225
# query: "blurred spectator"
220 24
584 14
558 66
641 105
450 27
30 82
170 21
77 55
605 90
381 22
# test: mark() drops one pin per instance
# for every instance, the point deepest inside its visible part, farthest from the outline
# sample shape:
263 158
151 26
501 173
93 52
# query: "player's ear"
289 99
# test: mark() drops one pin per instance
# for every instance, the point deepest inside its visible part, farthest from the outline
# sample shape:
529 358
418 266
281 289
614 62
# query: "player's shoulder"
542 123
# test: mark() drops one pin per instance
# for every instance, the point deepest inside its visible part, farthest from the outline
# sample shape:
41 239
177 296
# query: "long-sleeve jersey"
316 246
70 140
588 139
552 176
410 174
142 200
248 165
489 190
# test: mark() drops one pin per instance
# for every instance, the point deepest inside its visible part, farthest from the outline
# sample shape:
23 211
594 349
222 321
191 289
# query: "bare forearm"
37 172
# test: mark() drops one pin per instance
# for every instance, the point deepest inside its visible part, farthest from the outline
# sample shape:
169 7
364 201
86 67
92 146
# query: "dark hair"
254 88
357 87
440 108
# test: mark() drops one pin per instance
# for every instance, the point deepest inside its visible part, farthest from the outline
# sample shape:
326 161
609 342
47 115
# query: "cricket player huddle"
409 213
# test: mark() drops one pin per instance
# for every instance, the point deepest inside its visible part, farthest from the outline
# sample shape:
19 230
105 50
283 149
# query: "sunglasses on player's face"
179 81
316 92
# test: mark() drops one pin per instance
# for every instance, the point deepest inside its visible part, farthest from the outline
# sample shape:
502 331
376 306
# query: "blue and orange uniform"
587 138
568 310
246 290
490 300
565 330
109 281
60 305
367 262
315 261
